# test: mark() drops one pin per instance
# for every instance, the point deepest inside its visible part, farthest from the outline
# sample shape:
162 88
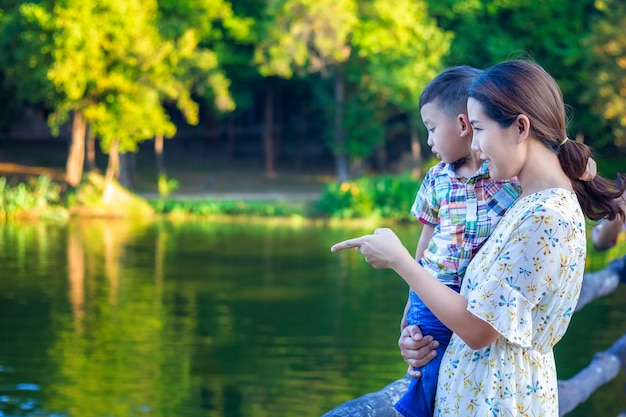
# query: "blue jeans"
419 400
619 267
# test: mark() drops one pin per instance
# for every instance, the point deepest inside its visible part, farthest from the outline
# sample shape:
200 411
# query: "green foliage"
167 185
202 208
115 71
402 49
92 198
610 166
25 37
550 32
388 197
607 60
118 62
37 198
305 36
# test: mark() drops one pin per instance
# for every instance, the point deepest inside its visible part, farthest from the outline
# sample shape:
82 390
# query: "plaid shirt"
463 212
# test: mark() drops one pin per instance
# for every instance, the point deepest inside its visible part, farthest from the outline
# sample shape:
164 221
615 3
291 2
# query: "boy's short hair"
450 89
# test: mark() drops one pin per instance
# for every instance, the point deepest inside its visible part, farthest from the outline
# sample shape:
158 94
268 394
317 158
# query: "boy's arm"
422 244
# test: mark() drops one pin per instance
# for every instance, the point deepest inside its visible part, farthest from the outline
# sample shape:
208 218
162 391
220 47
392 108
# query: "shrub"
37 198
388 197
210 207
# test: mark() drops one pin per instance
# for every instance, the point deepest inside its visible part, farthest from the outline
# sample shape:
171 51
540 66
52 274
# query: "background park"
173 174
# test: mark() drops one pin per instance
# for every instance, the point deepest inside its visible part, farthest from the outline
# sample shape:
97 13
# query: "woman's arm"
383 249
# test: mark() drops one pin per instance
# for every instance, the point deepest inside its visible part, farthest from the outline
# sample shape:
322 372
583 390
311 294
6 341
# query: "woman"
521 288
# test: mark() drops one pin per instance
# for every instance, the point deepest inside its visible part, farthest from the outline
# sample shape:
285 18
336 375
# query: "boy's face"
449 137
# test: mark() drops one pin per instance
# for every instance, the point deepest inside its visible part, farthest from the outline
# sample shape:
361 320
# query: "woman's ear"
465 128
522 124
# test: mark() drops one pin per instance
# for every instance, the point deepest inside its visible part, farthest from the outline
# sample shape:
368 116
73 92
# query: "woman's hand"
416 349
382 249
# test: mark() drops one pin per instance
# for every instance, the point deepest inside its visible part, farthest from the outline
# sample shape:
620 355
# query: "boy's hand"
416 349
590 171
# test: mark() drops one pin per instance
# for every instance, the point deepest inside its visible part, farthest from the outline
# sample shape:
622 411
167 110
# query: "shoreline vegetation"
365 200
35 193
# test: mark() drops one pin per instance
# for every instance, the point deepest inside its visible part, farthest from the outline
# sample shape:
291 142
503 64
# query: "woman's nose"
475 145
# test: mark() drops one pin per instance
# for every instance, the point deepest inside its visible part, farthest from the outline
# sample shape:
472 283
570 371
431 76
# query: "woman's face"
495 144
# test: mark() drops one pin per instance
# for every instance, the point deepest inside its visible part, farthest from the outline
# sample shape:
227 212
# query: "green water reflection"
111 318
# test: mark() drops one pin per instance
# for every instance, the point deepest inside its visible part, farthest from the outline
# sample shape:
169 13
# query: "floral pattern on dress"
524 282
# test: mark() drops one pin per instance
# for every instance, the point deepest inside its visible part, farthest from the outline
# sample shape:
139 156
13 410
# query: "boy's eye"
431 130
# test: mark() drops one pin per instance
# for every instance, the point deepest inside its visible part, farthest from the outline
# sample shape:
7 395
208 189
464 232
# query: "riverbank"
199 175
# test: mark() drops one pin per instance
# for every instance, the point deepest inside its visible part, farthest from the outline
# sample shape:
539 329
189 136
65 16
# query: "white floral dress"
524 282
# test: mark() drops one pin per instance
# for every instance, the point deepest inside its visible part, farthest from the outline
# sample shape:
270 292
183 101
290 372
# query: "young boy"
605 233
459 206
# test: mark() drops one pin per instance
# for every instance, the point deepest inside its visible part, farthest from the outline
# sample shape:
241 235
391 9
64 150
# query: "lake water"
118 319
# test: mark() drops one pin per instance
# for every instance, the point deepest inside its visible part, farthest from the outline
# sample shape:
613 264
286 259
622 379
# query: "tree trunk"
416 149
604 367
300 137
76 156
76 278
158 154
381 157
374 404
268 133
341 157
126 176
279 121
112 171
231 137
90 143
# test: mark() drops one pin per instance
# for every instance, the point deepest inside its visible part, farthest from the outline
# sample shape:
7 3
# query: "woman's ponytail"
598 197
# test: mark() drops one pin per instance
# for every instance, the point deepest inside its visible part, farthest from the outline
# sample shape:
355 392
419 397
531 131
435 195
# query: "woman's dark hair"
516 87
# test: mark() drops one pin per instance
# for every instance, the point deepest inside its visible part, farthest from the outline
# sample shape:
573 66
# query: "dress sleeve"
425 207
508 292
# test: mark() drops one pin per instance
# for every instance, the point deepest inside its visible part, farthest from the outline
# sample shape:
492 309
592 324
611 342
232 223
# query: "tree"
550 32
97 62
607 60
311 36
370 52
404 49
25 37
112 75
202 32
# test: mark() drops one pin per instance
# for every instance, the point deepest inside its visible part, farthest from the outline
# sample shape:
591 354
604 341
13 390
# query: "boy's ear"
464 125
